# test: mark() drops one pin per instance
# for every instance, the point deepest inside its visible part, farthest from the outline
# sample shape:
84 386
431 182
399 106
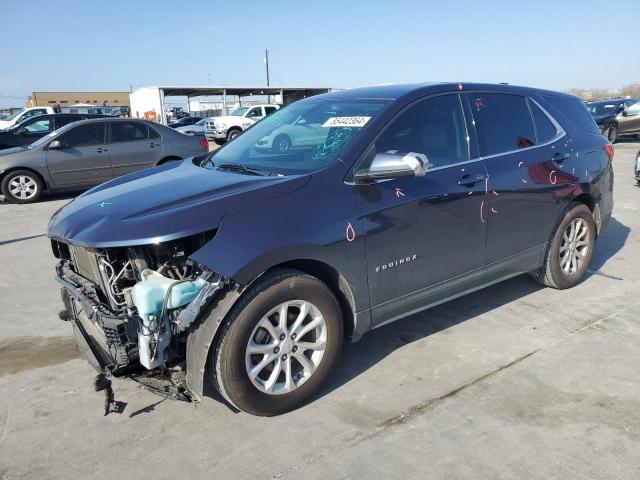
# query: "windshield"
301 138
603 108
238 112
12 116
201 122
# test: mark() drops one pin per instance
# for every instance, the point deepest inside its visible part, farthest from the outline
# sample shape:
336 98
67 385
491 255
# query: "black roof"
394 92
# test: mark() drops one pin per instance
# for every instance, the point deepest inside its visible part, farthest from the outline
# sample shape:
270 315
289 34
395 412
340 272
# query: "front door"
132 148
425 236
83 157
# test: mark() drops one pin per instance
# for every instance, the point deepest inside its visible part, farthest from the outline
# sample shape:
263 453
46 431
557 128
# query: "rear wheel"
22 186
278 344
571 249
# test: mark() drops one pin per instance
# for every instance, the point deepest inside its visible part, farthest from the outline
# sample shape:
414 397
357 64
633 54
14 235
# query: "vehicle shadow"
610 242
45 198
376 345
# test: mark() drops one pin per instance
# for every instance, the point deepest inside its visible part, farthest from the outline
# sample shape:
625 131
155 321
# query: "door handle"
468 181
102 150
560 157
154 145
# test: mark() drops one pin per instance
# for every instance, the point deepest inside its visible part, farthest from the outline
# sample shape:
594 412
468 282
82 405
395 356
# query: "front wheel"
278 344
233 134
612 134
22 186
571 249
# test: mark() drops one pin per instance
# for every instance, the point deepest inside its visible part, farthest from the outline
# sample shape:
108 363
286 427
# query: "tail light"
608 149
204 144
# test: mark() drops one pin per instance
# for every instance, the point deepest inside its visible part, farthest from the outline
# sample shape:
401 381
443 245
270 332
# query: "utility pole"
266 62
209 78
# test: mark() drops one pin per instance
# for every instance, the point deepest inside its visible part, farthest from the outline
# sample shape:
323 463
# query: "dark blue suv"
246 268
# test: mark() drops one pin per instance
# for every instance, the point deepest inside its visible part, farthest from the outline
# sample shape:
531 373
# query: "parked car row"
616 116
88 152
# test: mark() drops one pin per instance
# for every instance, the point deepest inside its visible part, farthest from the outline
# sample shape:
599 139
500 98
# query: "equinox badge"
396 263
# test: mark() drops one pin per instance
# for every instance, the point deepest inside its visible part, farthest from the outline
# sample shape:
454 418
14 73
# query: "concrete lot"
513 382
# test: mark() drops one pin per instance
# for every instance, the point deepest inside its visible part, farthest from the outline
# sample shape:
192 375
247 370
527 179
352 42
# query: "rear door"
83 158
133 146
531 166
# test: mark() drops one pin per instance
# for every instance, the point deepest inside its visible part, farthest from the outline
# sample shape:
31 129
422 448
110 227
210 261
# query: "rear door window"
269 110
545 129
503 122
153 133
128 132
84 135
576 111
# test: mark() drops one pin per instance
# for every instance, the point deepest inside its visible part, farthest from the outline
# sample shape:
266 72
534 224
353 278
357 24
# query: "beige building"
49 99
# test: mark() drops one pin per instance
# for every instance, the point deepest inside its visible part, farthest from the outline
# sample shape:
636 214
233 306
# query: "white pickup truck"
20 115
230 126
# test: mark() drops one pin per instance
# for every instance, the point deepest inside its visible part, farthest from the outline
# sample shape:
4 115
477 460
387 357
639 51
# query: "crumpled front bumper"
108 341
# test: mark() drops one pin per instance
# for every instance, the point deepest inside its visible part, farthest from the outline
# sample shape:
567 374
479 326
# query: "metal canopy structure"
195 91
151 100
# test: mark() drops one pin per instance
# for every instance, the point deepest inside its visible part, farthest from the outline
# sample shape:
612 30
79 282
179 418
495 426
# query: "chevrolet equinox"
245 269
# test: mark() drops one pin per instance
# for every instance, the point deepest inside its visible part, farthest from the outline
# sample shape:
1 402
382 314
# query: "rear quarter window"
576 111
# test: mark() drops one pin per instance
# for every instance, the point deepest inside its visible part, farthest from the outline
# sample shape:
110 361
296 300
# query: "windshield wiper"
240 168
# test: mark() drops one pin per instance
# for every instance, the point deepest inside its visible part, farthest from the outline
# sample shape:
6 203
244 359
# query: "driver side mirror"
57 145
385 166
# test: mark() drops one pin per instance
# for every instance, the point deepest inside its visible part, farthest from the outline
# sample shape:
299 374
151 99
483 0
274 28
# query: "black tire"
612 133
282 143
552 274
233 133
27 177
228 357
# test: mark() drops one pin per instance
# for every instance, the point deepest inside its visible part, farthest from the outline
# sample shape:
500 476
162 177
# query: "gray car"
86 153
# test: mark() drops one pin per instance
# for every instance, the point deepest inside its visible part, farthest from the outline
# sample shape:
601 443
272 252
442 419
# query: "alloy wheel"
286 347
23 187
574 246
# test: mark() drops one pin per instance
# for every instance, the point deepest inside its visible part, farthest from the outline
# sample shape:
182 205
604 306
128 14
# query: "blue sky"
111 45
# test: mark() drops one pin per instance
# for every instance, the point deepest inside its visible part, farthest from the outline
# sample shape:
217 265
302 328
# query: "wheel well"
168 159
336 283
13 169
587 200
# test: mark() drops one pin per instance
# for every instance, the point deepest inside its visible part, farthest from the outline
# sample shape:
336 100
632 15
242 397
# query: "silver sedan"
86 153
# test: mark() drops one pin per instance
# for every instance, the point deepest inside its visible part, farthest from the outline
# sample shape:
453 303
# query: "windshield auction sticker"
346 122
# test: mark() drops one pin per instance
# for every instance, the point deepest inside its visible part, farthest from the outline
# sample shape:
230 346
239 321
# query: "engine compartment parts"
153 296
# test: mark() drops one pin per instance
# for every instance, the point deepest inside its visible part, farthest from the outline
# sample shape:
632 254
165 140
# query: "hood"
6 124
11 151
161 204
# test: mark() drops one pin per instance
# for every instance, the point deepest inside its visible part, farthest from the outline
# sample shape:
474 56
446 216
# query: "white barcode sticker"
346 122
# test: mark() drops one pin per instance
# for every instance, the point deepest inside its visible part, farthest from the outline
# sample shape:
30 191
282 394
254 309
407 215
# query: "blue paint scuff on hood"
161 204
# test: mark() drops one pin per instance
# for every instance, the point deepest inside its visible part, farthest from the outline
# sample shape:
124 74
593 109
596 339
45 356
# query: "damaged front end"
132 308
